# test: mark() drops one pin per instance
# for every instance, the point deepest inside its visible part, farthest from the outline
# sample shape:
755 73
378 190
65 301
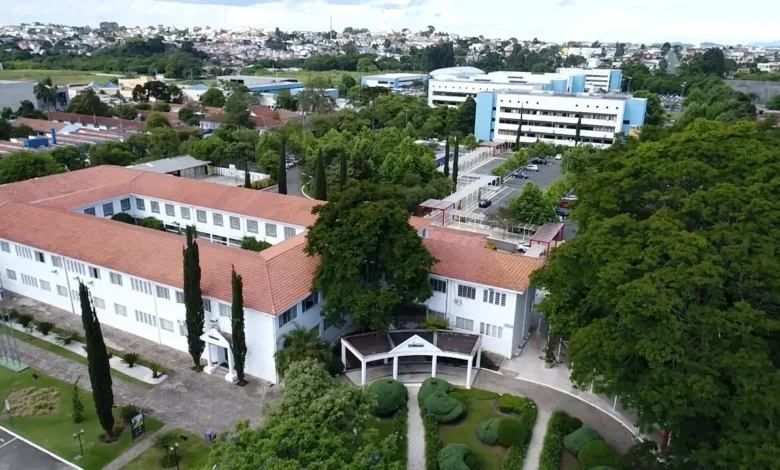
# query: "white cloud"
604 20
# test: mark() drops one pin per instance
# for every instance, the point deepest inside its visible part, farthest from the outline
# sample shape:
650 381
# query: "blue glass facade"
483 124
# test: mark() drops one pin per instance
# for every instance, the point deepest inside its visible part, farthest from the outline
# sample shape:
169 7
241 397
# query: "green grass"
193 453
60 351
481 407
59 77
54 432
306 76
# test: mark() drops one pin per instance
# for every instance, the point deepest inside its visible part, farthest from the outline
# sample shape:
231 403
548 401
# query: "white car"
558 157
532 167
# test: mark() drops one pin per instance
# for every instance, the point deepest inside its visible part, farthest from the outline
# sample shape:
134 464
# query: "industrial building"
263 84
394 81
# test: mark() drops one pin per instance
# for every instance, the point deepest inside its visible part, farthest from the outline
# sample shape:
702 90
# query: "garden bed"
193 453
481 406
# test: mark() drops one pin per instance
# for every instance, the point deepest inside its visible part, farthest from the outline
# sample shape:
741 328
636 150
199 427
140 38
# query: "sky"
690 21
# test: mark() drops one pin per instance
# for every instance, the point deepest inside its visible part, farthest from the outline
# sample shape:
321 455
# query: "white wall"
13 93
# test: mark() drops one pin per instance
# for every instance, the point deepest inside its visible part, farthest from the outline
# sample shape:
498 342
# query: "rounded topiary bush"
596 454
512 432
576 440
431 385
460 397
443 407
574 423
457 457
488 431
391 396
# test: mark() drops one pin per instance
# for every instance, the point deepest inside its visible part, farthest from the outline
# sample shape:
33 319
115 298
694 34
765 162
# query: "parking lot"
16 454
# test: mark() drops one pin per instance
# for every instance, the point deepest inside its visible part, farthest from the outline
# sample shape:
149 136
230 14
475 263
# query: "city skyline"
693 21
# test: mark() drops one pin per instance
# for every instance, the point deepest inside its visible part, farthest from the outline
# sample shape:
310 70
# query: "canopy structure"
375 346
548 235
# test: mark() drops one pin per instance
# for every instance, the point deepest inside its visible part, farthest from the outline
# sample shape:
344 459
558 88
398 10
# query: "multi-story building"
557 118
395 81
57 231
596 80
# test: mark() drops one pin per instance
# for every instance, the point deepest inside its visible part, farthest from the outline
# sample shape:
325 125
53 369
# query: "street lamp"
77 435
175 454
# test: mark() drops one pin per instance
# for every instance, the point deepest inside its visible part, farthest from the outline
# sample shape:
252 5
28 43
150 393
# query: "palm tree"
300 344
165 443
46 93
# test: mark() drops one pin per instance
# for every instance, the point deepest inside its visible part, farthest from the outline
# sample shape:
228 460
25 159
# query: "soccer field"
59 77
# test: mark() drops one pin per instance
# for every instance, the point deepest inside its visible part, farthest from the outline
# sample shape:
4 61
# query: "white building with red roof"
56 231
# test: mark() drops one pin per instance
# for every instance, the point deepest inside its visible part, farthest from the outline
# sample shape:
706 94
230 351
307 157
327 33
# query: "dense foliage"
457 457
513 432
488 431
301 344
443 408
193 297
598 454
576 440
559 426
391 396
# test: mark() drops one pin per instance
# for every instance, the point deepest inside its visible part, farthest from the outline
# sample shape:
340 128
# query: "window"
40 257
491 330
74 295
144 317
288 316
163 293
166 325
185 213
289 232
201 216
94 273
155 207
217 219
251 226
45 285
467 291
235 242
76 267
182 328
140 205
179 297
464 324
219 239
439 285
62 291
310 301
116 279
7 247
270 230
24 252
435 314
56 261
170 210
29 281
89 211
108 209
224 310
141 286
206 305
492 297
11 274
120 310
99 303
124 204
235 223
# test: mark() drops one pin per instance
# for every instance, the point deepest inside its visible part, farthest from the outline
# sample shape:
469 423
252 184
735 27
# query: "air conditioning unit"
214 323
458 302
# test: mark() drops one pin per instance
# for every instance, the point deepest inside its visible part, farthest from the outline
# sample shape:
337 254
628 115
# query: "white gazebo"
220 354
393 345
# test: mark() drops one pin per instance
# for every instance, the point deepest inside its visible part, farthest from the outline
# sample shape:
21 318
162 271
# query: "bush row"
401 429
458 457
432 441
515 458
391 396
559 426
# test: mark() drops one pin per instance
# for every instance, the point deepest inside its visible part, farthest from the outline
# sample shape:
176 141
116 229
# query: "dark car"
485 203
539 161
562 211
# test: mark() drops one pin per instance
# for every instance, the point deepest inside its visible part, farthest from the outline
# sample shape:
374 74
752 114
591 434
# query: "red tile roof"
460 237
39 125
96 120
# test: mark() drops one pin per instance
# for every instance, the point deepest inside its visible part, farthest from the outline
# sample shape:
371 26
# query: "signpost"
137 426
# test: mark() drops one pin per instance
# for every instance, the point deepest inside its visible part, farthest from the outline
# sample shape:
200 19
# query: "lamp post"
77 435
175 454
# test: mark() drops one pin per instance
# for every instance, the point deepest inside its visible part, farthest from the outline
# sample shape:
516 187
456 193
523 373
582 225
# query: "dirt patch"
35 401
569 461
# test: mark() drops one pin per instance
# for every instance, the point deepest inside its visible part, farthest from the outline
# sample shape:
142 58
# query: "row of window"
42 284
543 136
556 125
292 313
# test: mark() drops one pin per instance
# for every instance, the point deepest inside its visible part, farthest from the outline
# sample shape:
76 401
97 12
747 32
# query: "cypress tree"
193 298
247 180
455 163
281 177
237 323
519 130
343 170
577 134
97 363
447 158
320 188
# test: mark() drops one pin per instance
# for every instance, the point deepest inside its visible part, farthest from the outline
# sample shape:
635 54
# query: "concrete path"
416 434
537 440
137 449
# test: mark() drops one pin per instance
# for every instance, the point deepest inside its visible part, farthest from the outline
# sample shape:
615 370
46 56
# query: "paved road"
294 183
16 454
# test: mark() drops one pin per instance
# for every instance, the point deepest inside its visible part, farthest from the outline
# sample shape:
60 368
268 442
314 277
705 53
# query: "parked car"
532 167
539 161
519 174
562 212
567 201
485 203
558 157
522 247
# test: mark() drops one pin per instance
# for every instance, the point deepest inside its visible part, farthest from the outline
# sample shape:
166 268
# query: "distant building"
769 67
263 84
185 166
195 92
396 81
12 93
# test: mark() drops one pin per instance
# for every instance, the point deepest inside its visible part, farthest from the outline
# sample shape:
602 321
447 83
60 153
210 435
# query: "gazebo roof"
426 342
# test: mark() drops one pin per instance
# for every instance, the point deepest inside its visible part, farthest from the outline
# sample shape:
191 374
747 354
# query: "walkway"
137 449
416 436
537 440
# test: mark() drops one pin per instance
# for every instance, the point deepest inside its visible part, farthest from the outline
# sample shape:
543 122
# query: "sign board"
137 425
415 345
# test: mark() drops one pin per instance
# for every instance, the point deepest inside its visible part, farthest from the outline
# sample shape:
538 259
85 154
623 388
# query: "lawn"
481 407
59 77
55 431
383 425
193 453
306 76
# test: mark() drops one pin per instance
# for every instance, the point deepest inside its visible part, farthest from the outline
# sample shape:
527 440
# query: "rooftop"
169 165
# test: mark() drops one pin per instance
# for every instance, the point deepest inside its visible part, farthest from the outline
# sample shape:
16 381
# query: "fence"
234 172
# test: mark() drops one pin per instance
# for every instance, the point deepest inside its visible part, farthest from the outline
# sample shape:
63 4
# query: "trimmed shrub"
460 397
24 319
443 407
488 431
514 404
512 432
559 426
431 385
574 424
45 327
124 217
432 441
457 457
152 223
598 454
575 441
476 394
391 396
401 429
514 459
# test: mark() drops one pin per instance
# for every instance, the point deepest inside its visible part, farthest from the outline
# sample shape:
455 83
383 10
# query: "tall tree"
281 175
25 164
455 163
342 170
371 260
299 344
320 185
237 110
193 298
213 98
237 324
46 93
531 207
97 363
447 157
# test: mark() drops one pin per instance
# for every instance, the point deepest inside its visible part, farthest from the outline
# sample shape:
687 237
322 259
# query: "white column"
433 366
344 355
395 368
468 376
479 357
362 372
230 360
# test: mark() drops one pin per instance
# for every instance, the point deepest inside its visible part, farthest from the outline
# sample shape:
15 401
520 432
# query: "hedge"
432 441
401 429
575 441
517 405
513 433
514 459
598 454
488 431
559 426
443 407
457 457
430 386
391 396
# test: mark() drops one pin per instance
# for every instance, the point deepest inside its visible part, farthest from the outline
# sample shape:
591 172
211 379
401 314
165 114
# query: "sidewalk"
415 459
537 440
